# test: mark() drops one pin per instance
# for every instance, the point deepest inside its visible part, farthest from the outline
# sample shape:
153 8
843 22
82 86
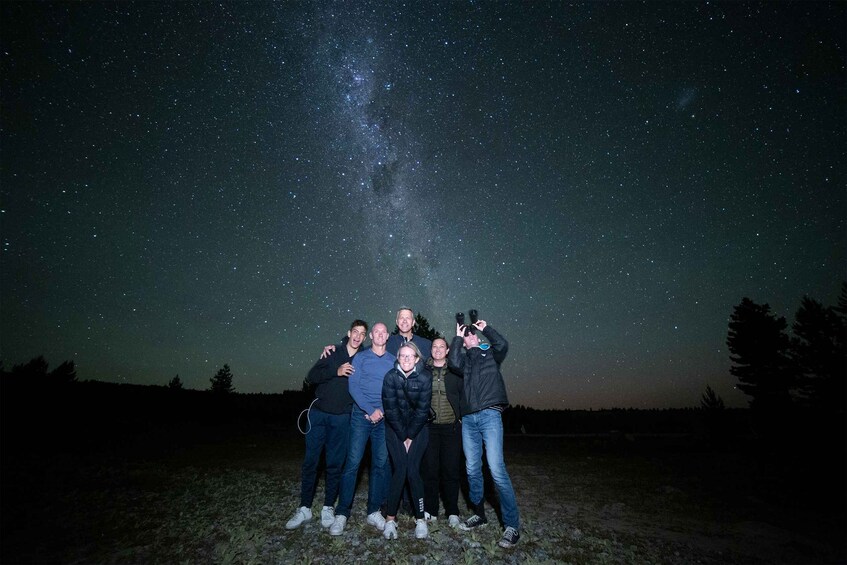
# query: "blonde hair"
411 346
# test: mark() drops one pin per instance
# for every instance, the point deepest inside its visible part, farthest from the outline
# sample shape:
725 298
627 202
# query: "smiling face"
379 334
405 321
407 358
357 336
471 340
439 350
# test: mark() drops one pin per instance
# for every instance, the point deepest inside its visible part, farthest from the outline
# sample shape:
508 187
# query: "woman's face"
407 358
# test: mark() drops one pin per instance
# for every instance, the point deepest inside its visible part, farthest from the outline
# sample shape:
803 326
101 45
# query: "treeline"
796 382
48 403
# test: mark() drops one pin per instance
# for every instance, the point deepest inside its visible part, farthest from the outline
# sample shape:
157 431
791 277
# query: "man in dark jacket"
329 419
476 354
405 325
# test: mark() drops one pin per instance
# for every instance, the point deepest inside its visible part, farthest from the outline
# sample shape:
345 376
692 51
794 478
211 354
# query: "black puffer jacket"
483 382
407 412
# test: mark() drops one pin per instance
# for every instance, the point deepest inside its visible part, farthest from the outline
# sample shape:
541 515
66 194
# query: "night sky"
191 184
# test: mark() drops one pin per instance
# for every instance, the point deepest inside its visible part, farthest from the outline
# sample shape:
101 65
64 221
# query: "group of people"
421 403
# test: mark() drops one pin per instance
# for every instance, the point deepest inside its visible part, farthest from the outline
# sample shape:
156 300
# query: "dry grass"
226 501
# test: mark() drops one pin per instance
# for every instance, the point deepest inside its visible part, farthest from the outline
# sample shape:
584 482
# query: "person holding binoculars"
476 354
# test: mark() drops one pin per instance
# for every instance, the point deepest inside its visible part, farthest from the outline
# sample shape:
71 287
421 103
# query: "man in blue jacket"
405 325
476 354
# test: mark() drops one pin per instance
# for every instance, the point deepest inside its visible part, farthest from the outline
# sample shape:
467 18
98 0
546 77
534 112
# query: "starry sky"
189 184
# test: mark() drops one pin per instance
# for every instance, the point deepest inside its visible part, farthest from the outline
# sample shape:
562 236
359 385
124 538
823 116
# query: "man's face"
357 336
405 321
407 358
439 350
379 334
471 340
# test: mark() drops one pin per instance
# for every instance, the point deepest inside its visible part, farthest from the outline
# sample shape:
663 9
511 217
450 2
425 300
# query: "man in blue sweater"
366 423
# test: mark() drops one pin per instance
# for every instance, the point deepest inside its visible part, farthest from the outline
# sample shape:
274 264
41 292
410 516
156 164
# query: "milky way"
191 184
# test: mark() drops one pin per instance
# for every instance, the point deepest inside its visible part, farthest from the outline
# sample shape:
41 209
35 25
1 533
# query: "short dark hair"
359 323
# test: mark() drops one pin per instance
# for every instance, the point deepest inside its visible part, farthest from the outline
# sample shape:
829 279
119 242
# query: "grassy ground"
210 496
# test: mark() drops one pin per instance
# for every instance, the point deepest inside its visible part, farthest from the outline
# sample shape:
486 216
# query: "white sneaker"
390 531
376 519
421 529
454 521
303 514
327 516
337 527
429 517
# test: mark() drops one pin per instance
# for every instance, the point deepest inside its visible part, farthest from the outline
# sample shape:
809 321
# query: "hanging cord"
308 420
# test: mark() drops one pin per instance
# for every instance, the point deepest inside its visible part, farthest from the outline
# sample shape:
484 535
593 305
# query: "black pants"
442 468
407 467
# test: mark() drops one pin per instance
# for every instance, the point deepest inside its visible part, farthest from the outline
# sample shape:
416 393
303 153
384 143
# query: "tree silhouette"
710 400
423 329
175 383
35 368
222 381
818 349
63 374
759 350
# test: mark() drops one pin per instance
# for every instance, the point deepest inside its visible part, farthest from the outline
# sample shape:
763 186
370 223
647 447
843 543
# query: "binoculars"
460 319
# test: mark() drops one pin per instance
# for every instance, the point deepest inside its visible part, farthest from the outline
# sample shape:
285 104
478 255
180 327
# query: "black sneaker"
510 538
473 522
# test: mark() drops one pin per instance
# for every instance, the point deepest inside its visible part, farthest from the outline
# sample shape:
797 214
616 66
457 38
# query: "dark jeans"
442 468
407 466
330 431
362 431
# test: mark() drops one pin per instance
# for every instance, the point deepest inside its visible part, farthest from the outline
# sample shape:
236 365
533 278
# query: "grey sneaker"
473 523
510 538
453 521
390 531
375 519
429 517
337 527
327 516
421 529
302 514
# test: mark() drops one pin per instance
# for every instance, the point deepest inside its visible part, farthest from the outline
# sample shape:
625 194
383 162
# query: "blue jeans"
361 430
330 431
486 428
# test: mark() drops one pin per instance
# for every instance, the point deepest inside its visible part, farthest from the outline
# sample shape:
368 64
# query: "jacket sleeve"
390 404
498 343
456 356
324 370
424 400
455 392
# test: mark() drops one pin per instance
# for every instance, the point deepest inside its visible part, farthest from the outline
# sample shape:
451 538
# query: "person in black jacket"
476 354
442 462
329 418
406 392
